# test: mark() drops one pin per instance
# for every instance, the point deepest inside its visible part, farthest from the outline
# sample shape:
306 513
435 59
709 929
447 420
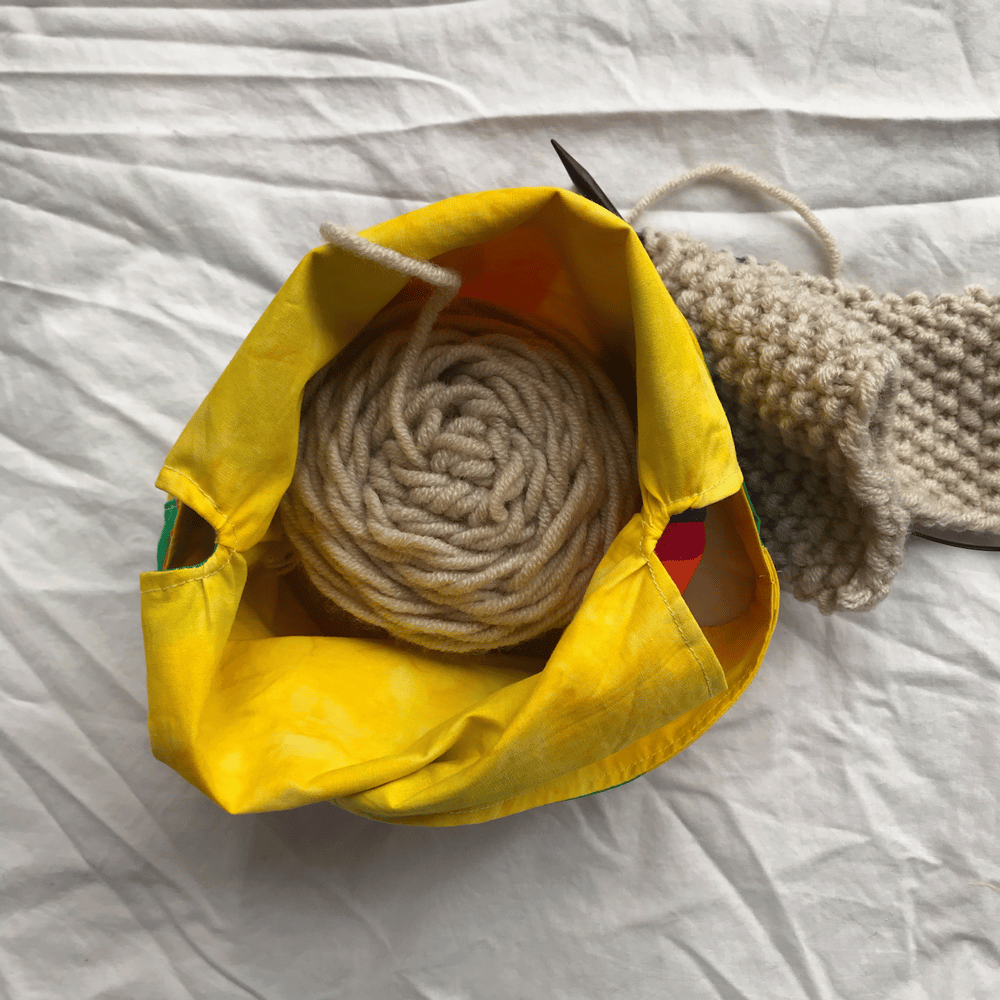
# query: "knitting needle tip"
586 184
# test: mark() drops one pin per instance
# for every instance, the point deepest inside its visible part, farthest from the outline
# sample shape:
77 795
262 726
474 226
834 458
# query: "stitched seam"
194 579
649 566
692 499
215 507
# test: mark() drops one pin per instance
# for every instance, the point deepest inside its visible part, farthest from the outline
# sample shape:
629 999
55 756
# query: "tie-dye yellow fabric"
266 699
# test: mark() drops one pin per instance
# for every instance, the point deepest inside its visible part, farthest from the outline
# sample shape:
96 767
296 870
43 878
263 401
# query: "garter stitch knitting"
855 415
458 480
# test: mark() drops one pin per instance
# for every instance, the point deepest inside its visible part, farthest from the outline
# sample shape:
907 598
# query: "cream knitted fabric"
460 478
854 415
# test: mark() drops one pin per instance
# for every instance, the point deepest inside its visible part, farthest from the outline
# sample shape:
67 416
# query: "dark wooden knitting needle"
957 545
584 183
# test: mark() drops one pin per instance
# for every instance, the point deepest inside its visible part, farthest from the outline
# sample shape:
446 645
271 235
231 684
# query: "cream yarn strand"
738 175
459 480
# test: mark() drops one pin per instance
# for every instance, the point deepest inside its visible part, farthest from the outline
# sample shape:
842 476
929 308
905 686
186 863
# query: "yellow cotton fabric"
265 700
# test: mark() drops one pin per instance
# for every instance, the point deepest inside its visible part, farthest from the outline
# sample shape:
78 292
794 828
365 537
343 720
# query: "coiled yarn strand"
458 482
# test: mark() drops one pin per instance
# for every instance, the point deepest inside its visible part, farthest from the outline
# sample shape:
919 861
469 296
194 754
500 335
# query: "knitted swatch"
855 416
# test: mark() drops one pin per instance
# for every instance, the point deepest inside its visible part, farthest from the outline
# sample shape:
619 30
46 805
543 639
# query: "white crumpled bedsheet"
163 170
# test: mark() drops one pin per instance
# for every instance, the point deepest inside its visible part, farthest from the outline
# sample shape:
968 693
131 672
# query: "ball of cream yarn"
458 488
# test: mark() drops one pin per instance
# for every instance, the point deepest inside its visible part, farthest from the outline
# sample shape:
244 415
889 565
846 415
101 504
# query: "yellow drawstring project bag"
266 698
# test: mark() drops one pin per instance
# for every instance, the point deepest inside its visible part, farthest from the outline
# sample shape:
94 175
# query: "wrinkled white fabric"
161 172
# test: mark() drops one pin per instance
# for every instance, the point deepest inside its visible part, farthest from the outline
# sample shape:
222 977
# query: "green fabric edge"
170 510
169 520
756 519
586 795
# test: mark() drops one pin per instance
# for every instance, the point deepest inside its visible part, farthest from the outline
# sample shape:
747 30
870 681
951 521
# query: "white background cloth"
163 170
